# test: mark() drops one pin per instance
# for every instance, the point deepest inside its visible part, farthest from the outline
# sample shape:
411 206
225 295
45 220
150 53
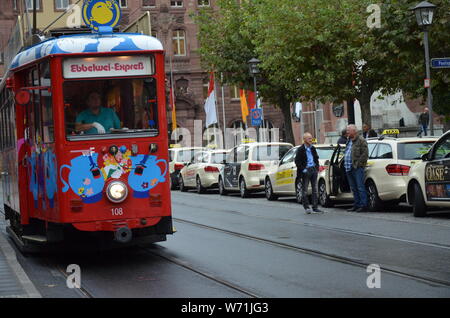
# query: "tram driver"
96 119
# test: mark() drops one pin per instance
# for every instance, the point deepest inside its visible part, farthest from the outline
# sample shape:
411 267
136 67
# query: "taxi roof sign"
391 132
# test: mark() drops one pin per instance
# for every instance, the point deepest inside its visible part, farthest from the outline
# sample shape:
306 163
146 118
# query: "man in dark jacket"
368 132
424 118
307 162
343 138
355 161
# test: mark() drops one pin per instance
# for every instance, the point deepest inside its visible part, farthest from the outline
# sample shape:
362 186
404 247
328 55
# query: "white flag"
210 103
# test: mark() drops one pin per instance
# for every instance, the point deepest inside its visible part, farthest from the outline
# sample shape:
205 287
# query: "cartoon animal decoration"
32 171
145 175
50 176
85 178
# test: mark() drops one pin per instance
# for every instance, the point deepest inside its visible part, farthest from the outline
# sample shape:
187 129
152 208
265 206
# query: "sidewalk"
14 282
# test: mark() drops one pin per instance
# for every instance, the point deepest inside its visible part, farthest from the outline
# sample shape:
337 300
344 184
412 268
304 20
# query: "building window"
234 92
30 4
176 4
148 3
14 2
59 4
203 3
123 3
179 43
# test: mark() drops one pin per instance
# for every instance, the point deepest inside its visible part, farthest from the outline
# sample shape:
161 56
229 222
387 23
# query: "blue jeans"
423 129
355 178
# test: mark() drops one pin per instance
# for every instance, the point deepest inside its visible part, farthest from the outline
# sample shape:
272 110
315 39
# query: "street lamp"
254 71
424 14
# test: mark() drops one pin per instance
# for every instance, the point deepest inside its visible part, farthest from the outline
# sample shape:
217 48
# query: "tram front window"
110 107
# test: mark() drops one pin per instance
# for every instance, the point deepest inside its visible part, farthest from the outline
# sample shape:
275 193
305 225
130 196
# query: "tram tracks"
321 254
204 274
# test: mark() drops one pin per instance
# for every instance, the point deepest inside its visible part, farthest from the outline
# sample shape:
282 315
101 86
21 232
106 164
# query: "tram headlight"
117 191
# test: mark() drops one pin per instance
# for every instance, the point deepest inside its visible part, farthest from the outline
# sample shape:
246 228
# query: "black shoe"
316 210
352 209
362 209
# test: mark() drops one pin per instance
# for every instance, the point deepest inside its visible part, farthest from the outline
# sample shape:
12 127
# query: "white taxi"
202 171
429 179
179 157
282 180
386 173
246 166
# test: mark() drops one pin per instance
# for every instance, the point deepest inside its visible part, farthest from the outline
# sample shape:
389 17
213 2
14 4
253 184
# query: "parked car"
247 164
429 179
179 157
282 179
202 171
390 160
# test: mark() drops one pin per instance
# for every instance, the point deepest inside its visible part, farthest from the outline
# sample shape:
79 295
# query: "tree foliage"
324 49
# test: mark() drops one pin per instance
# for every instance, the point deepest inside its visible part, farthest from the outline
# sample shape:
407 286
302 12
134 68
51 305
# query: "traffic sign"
256 116
440 62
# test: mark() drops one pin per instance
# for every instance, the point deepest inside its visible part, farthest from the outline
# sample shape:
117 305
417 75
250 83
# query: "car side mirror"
327 162
425 157
224 162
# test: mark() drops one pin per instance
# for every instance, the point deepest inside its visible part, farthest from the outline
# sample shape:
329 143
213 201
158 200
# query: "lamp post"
424 14
254 71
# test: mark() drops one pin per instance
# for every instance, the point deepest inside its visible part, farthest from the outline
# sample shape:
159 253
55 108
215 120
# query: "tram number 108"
117 211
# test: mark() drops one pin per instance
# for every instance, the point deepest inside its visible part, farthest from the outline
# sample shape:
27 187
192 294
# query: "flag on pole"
172 106
251 99
210 103
244 107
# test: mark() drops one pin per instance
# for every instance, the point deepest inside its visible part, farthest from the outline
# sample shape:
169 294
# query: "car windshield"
270 152
218 157
325 153
187 155
413 150
110 108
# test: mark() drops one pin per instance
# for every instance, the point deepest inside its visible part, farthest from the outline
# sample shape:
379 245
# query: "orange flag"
244 107
174 113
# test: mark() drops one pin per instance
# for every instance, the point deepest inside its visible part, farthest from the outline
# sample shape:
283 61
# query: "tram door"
38 137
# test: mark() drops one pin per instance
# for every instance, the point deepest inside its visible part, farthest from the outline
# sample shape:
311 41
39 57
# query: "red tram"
84 141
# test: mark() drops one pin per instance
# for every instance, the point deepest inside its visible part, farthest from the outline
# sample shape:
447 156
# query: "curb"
22 277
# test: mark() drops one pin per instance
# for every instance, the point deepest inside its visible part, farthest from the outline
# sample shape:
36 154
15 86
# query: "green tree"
226 47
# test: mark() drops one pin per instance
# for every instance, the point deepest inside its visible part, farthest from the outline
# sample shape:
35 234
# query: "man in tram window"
96 119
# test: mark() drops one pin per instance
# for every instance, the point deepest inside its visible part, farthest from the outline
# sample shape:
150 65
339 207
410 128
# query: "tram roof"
87 43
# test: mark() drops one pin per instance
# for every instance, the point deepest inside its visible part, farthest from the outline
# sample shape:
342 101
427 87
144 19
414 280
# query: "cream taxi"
282 179
202 171
386 173
246 166
429 179
179 157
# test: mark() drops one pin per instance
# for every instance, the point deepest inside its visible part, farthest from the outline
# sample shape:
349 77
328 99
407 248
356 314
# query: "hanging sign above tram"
108 66
101 15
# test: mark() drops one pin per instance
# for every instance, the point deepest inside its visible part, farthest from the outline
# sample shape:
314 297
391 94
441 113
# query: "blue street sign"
440 62
256 116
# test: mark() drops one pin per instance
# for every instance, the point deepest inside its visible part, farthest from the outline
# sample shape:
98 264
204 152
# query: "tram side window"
122 106
46 103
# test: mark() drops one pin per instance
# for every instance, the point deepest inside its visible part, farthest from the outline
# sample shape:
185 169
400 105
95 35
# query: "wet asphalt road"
233 247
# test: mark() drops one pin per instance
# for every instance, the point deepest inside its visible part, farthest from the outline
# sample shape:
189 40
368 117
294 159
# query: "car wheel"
200 188
419 206
172 185
269 191
298 191
222 190
182 186
324 198
243 189
374 202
